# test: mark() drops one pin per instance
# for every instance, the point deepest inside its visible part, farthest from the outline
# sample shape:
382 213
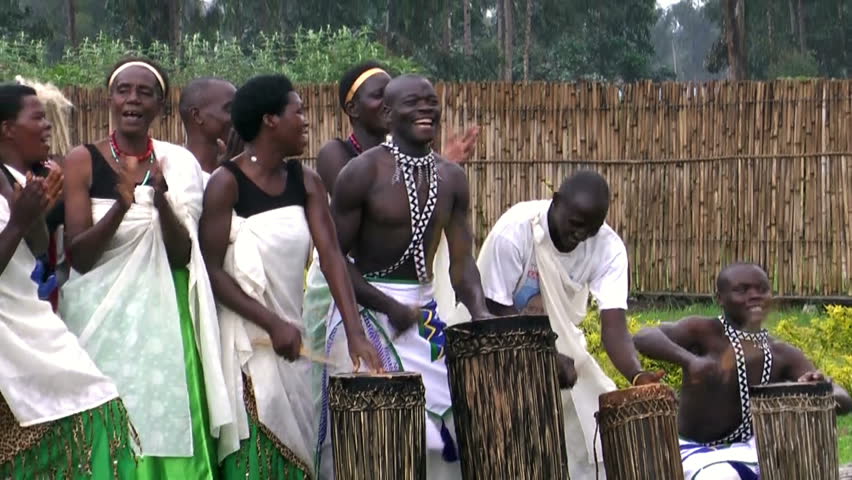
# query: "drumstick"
303 352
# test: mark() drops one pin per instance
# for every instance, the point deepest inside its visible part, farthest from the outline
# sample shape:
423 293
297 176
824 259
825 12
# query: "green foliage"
826 340
793 64
592 328
308 57
323 55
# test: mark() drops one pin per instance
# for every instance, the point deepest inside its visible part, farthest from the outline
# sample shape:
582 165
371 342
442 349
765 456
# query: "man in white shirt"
555 252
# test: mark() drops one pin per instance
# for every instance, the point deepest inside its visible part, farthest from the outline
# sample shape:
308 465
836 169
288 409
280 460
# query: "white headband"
138 64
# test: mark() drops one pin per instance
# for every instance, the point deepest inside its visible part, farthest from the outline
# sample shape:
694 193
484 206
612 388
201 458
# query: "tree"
735 38
508 38
468 42
527 39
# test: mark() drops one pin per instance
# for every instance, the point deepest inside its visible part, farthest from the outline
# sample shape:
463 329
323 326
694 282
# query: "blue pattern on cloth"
729 454
44 278
432 329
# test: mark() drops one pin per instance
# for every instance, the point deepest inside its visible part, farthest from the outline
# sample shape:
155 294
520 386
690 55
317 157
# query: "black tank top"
104 177
251 200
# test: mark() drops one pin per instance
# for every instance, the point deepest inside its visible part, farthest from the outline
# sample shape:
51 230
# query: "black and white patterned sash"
761 339
408 167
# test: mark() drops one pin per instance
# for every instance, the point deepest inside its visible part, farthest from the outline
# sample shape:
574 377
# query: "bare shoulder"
453 174
331 150
78 157
697 326
312 181
367 162
222 181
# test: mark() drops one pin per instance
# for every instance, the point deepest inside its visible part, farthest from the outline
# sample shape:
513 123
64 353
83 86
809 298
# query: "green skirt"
96 444
202 465
261 456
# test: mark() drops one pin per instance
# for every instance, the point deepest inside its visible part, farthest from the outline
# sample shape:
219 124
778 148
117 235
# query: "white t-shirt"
511 277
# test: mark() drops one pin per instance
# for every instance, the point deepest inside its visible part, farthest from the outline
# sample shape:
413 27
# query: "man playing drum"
391 204
556 251
721 357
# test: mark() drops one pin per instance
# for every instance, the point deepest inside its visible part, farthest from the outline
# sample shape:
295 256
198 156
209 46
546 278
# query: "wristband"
636 377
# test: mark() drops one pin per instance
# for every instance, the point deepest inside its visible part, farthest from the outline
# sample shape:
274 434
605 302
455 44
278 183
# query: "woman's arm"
335 269
87 241
175 236
214 231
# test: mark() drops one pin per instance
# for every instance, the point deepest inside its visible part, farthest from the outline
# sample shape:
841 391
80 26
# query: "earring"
254 159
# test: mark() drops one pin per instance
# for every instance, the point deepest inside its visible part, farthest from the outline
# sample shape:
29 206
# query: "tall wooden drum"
638 428
506 402
378 426
796 431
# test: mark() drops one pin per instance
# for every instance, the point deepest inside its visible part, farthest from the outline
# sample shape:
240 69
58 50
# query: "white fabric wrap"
126 313
565 302
44 373
266 257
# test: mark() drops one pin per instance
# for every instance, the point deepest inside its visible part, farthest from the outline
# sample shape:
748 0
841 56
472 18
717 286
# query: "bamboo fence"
701 174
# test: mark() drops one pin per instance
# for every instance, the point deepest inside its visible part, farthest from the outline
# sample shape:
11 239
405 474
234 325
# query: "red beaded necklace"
117 152
355 144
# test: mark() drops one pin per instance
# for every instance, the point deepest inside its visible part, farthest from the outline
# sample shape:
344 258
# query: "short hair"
156 66
11 100
391 91
191 95
588 182
261 95
352 74
722 279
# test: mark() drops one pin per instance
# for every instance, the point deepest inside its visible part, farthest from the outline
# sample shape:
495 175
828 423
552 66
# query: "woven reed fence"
701 174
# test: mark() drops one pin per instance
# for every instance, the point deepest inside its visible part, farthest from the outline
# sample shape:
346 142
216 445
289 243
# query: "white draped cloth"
125 311
565 303
45 374
266 257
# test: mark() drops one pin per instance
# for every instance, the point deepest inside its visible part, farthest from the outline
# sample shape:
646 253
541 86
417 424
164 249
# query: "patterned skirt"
95 444
261 456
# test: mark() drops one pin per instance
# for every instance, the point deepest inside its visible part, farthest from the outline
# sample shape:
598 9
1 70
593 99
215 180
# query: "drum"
796 431
638 428
378 426
506 403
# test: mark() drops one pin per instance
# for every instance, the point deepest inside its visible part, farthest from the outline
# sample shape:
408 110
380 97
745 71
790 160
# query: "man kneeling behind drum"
721 358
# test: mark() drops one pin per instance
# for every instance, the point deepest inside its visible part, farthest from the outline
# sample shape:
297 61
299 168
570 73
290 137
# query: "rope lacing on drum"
761 340
407 166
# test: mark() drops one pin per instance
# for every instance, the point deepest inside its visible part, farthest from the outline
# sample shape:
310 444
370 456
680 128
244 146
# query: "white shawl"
565 302
125 311
266 257
44 373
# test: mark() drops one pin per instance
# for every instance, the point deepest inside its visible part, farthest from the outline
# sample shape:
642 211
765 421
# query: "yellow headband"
138 64
361 79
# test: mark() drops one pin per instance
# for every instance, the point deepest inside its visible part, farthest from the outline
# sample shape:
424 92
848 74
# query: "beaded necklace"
117 153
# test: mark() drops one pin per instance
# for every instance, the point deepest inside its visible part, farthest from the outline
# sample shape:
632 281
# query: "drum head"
501 324
357 381
620 398
517 332
783 389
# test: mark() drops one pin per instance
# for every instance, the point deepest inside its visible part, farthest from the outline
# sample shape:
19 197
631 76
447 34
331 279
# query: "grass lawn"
844 424
844 439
